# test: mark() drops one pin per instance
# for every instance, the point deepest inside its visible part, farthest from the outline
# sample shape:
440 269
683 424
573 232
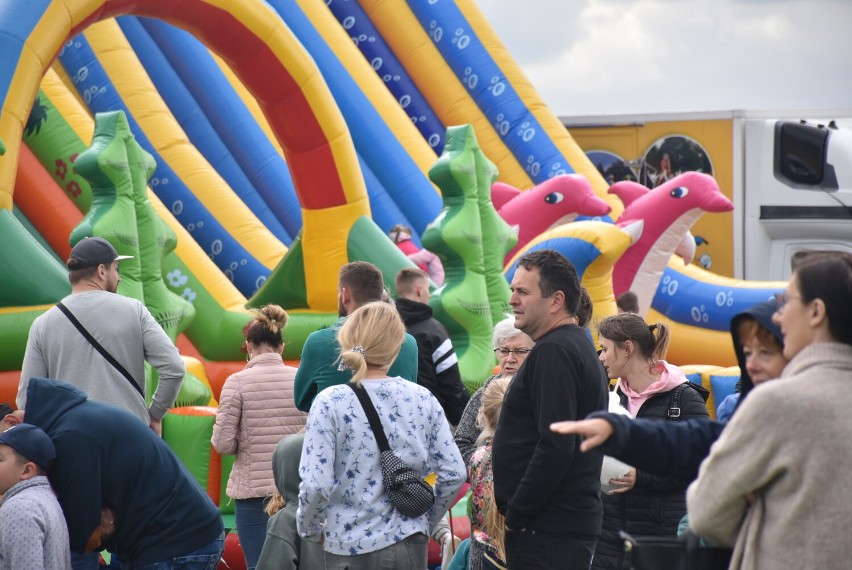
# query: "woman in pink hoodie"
648 387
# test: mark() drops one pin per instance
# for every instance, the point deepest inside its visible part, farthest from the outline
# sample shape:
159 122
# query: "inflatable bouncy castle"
243 151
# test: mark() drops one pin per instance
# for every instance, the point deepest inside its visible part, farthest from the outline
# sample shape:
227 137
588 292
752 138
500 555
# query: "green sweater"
318 366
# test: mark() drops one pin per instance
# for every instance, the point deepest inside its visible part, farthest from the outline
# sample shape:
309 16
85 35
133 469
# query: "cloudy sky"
591 57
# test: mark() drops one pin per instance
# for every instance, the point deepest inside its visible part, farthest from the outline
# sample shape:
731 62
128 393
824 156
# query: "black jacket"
438 365
655 505
658 447
541 480
105 457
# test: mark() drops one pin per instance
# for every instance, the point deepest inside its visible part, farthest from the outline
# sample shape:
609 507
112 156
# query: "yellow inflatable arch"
267 58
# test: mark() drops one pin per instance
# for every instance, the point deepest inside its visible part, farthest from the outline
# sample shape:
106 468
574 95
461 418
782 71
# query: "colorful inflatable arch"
265 56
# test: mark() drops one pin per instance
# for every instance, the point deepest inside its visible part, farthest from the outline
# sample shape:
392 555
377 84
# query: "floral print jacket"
341 497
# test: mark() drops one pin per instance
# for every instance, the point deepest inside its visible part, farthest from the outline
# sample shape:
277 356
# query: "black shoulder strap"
116 364
372 416
674 403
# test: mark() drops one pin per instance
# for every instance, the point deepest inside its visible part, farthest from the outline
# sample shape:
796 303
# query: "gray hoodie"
283 548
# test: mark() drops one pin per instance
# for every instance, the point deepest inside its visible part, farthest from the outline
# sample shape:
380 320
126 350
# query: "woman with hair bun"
343 502
648 387
256 411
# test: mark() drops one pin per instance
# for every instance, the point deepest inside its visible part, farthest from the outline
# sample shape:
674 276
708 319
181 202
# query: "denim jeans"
87 561
251 521
408 554
205 558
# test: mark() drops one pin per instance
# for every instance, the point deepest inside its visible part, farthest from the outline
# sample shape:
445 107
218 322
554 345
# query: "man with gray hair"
99 341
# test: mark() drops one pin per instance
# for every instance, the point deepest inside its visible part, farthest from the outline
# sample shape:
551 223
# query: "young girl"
487 524
342 498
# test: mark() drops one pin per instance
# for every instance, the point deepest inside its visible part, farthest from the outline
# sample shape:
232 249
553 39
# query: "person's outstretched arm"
663 448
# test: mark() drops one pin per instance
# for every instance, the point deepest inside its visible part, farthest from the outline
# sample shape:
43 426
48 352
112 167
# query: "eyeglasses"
782 298
518 352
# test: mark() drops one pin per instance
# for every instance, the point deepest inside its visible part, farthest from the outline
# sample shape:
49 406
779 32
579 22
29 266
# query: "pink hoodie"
671 378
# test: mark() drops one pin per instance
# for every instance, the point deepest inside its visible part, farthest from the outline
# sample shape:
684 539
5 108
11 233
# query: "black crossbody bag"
103 352
408 492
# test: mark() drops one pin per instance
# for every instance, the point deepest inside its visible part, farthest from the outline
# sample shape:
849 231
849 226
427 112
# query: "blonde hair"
371 336
489 414
489 411
496 524
275 503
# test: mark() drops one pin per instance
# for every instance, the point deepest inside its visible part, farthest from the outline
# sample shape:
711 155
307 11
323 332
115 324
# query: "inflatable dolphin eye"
679 192
554 198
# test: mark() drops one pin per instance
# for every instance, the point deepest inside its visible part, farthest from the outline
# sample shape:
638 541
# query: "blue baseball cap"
31 442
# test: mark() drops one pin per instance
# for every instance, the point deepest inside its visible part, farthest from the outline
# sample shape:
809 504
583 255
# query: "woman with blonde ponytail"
648 387
256 410
342 498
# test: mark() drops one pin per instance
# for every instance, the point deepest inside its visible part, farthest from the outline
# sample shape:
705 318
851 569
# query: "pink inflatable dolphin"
667 213
553 202
628 192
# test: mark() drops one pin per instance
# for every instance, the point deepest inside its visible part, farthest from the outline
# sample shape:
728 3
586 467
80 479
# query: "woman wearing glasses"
648 387
511 346
772 486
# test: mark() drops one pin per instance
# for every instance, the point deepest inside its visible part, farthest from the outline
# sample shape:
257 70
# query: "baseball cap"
31 442
91 252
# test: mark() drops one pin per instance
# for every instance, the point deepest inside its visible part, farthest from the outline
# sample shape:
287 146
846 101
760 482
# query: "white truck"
789 175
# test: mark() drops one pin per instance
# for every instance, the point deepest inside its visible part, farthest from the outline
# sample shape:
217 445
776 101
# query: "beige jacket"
256 411
789 444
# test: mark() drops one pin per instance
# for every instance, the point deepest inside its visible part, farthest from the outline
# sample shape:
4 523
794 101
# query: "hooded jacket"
106 457
283 548
437 365
762 313
658 447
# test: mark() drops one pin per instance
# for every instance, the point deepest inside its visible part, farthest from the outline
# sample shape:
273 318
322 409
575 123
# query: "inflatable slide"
288 137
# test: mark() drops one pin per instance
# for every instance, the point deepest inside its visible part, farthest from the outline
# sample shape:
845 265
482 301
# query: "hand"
103 533
157 426
107 523
595 431
624 483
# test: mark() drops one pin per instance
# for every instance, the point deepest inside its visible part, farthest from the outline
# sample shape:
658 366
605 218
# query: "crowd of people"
333 458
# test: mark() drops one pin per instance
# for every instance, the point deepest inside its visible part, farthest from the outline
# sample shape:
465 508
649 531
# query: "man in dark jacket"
119 485
546 489
676 449
437 366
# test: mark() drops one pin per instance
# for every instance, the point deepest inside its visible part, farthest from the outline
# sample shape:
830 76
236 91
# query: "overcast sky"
591 57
